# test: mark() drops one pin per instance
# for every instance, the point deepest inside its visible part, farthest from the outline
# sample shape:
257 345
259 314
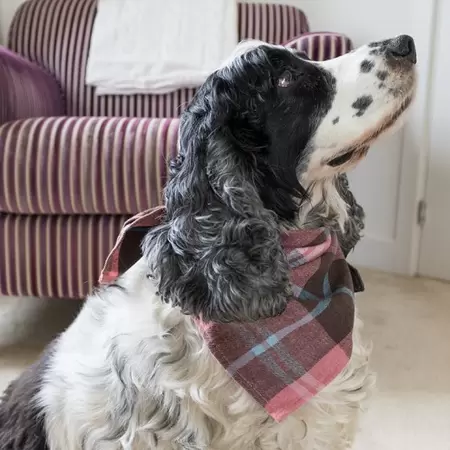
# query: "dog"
264 146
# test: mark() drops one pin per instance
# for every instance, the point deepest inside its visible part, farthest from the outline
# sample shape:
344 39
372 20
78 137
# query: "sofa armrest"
322 46
26 90
85 165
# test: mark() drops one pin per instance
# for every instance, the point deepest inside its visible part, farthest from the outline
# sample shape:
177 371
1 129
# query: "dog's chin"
348 158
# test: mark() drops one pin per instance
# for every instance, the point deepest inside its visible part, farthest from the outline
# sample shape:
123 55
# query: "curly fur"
261 151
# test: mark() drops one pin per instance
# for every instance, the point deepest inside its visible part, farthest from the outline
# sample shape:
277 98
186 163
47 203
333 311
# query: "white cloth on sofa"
158 46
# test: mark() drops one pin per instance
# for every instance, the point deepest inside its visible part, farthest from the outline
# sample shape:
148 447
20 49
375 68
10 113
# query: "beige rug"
407 320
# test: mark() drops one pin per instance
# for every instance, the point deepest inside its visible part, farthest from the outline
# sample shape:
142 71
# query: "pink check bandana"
284 361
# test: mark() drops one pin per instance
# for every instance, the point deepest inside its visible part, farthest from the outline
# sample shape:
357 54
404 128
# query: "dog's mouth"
342 159
360 149
350 156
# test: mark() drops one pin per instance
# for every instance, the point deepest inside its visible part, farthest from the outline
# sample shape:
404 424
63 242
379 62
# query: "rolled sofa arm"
26 90
322 46
85 165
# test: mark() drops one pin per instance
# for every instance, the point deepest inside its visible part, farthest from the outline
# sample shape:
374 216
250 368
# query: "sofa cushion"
84 165
26 90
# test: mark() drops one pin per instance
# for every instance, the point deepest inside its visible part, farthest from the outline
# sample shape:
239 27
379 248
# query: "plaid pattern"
284 361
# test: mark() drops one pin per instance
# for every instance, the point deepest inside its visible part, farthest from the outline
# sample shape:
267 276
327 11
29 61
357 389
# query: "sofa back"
56 35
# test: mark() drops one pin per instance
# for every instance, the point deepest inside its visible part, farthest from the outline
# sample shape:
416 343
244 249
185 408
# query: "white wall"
7 10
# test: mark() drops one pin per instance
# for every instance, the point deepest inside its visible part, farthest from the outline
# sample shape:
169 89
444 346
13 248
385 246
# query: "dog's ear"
218 256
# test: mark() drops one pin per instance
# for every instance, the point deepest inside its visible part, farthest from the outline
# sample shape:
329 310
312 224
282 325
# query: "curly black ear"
218 255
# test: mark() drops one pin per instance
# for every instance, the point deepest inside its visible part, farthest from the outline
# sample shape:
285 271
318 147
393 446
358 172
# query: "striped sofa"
73 166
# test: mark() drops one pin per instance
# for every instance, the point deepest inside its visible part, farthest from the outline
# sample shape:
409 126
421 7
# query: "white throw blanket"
158 46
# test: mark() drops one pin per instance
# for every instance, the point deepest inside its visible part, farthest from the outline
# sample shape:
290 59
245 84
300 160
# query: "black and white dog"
269 138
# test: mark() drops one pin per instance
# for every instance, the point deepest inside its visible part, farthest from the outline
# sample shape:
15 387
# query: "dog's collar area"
127 250
283 361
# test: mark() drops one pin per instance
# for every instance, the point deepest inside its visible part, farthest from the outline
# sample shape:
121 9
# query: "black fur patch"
336 121
381 86
382 75
367 66
361 104
21 421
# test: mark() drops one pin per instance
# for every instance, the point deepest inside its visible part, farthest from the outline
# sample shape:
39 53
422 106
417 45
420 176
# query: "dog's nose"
402 47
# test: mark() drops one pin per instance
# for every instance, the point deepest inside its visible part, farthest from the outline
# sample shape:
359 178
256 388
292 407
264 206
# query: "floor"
408 321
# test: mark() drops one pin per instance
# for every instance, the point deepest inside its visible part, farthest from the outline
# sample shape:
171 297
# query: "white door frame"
431 257
422 160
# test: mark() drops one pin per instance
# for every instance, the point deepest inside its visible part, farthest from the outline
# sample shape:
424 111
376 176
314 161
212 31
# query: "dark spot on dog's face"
382 75
361 104
375 52
336 121
367 65
381 86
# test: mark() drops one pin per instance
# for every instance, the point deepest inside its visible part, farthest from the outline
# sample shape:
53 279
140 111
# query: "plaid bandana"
284 361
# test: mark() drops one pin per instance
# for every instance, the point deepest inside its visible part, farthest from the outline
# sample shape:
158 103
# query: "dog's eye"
286 79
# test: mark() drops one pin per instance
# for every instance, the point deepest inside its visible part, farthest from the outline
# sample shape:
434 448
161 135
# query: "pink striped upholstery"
56 35
26 90
54 256
322 46
88 165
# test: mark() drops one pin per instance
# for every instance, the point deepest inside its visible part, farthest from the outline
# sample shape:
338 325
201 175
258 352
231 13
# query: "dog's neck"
331 204
325 207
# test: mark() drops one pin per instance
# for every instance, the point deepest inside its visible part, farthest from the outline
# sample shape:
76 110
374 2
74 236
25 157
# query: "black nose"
402 47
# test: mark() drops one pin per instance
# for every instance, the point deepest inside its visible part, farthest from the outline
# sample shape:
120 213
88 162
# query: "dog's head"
259 132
